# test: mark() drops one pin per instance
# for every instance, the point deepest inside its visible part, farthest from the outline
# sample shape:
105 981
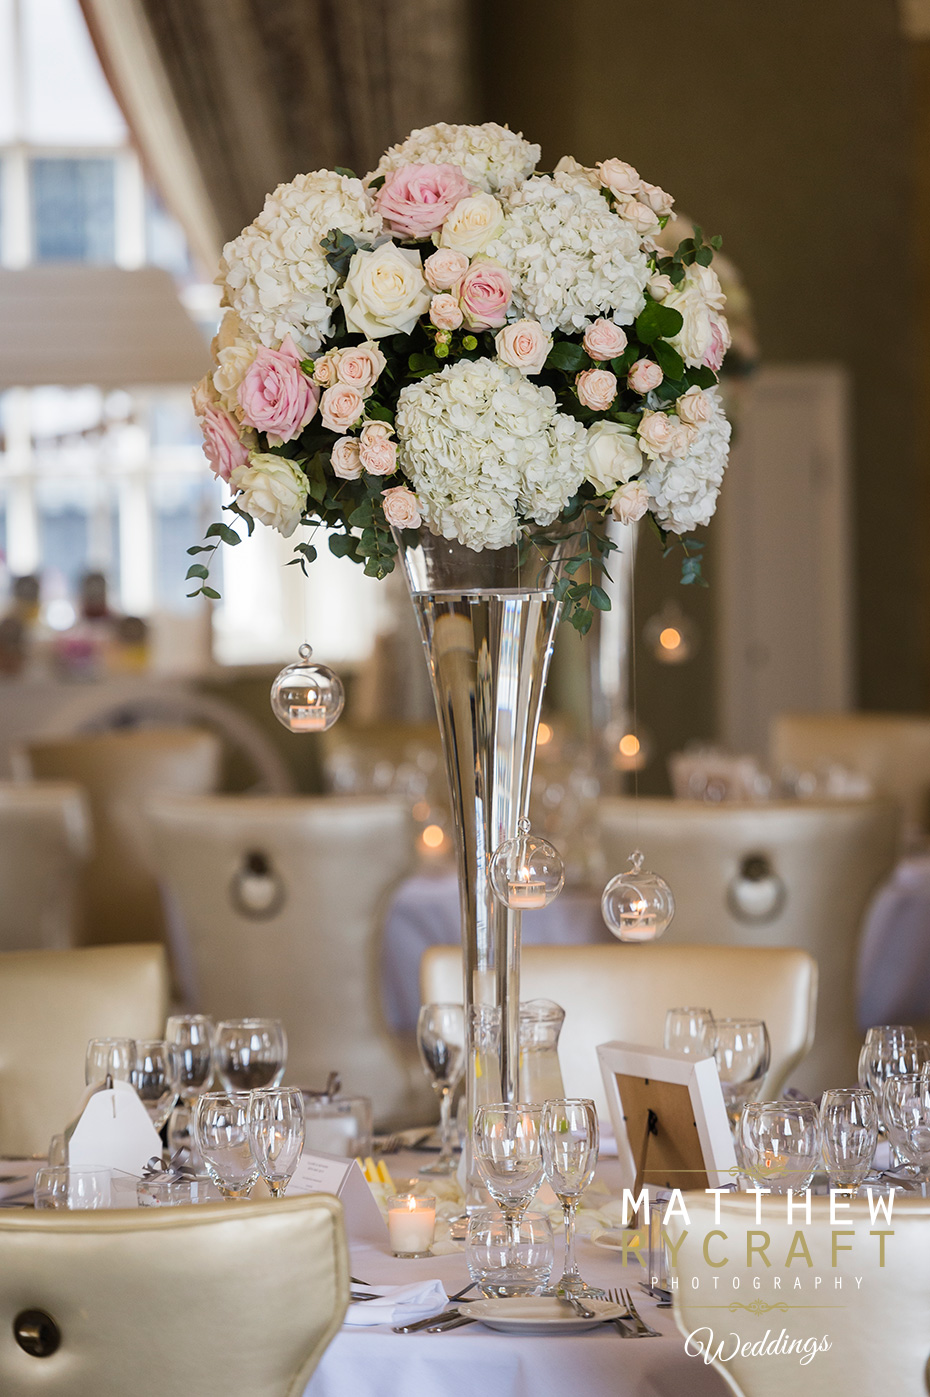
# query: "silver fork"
643 1330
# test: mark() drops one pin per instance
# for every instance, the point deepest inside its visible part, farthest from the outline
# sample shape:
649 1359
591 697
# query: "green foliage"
568 357
338 249
656 320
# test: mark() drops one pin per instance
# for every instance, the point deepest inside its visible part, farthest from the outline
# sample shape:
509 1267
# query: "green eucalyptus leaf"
568 357
196 570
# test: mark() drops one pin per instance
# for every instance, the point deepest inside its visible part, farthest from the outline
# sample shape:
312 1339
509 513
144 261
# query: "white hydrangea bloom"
569 256
490 156
275 275
484 447
683 492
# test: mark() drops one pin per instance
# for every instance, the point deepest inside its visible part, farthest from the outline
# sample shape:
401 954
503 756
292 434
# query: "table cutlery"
641 1329
419 1324
659 1293
578 1307
443 1326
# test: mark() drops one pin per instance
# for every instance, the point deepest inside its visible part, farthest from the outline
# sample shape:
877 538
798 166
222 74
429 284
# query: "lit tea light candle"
637 923
525 892
310 717
411 1224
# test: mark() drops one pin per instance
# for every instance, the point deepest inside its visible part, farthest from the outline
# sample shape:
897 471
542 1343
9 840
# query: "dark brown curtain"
268 89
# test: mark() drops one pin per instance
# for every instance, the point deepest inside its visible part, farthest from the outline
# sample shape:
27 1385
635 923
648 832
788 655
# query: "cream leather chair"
808 868
44 840
280 903
212 1300
879 1332
891 749
120 772
51 1003
623 992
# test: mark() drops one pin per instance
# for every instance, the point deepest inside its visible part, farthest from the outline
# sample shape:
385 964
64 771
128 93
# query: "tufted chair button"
36 1333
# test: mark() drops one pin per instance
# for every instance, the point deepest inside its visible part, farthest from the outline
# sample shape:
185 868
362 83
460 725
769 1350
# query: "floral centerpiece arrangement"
460 342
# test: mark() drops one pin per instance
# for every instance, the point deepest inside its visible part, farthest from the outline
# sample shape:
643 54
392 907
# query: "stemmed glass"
109 1057
441 1045
780 1144
192 1035
250 1053
220 1123
906 1110
508 1154
849 1120
743 1054
276 1134
569 1150
155 1077
691 1032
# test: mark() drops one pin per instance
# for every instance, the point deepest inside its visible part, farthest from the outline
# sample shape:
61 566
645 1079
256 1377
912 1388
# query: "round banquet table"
374 1362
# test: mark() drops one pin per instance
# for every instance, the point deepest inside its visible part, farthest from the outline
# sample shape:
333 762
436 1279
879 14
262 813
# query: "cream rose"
523 345
378 454
324 369
272 489
345 459
630 502
657 199
472 224
400 508
659 286
604 340
596 388
611 456
445 312
376 429
620 178
360 366
341 407
385 292
644 376
694 407
639 215
656 433
444 268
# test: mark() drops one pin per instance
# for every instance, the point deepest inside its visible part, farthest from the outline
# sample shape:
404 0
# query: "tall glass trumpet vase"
487 620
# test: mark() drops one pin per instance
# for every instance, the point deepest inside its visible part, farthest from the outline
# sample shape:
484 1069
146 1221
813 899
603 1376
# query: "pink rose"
620 178
400 508
693 407
484 293
377 452
221 444
604 340
644 376
444 268
657 199
341 407
524 345
656 433
276 396
630 502
345 459
445 312
597 388
416 199
376 429
360 366
719 342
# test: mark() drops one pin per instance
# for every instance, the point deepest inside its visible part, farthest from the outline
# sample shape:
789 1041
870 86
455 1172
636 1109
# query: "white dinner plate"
538 1314
611 1238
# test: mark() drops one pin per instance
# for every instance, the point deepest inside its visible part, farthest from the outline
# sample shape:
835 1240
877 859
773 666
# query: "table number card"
332 1173
113 1132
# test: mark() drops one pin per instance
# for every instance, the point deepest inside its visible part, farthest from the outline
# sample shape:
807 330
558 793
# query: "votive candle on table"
411 1224
310 717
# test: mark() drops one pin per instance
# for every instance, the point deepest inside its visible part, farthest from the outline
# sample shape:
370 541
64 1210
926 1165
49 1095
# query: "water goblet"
690 1031
743 1053
849 1120
192 1036
569 1151
508 1155
276 1134
220 1122
155 1077
779 1144
501 1264
441 1045
906 1111
250 1053
108 1057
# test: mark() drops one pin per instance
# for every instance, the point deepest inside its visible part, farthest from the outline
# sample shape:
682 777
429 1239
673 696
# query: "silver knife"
424 1323
442 1326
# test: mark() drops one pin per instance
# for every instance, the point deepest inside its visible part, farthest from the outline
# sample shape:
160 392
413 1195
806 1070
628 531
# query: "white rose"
273 491
472 224
204 396
345 458
611 456
620 178
657 199
695 299
694 407
659 286
385 292
524 345
630 502
643 219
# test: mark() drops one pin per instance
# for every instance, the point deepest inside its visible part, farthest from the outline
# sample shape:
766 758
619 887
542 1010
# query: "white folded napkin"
399 1304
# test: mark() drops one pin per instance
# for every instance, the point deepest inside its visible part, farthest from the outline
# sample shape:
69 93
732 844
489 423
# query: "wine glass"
849 1120
220 1123
108 1057
780 1144
155 1077
508 1155
192 1035
441 1045
690 1031
250 1053
743 1053
906 1111
276 1134
569 1151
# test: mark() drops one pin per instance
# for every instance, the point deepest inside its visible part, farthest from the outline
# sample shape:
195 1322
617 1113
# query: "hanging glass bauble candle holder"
526 872
306 697
637 905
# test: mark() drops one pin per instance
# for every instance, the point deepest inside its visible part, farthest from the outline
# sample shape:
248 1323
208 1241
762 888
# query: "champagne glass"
849 1119
250 1053
441 1045
780 1144
220 1123
569 1151
743 1053
276 1134
108 1057
690 1031
154 1075
508 1155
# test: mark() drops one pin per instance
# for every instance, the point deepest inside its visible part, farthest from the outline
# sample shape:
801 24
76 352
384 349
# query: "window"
73 210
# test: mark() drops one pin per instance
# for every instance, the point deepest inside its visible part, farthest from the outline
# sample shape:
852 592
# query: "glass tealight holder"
509 1258
307 697
411 1224
526 872
637 905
